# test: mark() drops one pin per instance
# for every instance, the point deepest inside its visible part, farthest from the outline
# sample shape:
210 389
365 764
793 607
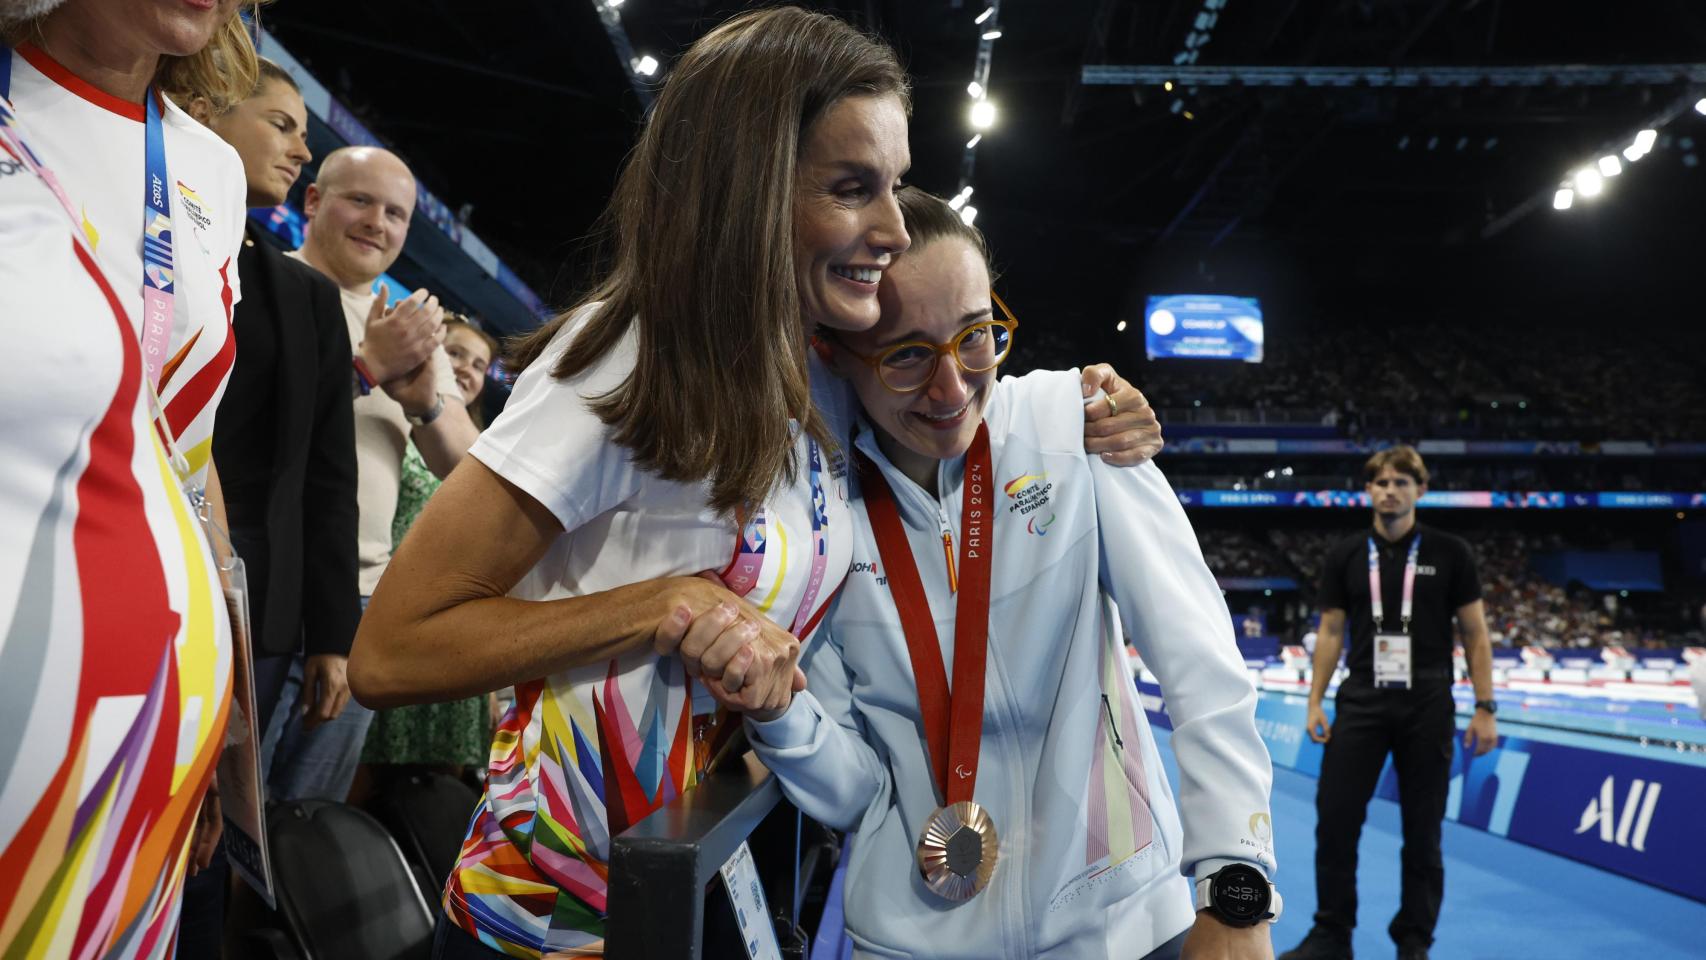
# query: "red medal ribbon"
953 723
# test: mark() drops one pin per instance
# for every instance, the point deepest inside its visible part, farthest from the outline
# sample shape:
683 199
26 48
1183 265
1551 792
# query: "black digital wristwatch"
1239 896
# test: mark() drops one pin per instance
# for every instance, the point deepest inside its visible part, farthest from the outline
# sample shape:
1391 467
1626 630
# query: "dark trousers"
1416 727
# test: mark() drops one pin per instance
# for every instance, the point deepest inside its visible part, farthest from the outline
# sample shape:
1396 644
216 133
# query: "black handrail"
660 867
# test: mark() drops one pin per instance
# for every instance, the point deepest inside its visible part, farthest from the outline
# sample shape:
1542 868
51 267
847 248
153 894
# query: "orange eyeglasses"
908 366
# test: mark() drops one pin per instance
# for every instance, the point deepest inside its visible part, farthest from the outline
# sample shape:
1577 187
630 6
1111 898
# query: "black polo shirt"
1446 578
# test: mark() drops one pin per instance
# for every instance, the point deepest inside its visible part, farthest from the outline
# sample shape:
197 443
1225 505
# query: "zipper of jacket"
947 546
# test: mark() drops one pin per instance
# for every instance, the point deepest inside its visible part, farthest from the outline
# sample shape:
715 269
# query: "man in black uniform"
1396 700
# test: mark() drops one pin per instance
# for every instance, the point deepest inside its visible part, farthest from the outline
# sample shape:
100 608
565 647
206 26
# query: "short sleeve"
1331 595
549 442
1466 578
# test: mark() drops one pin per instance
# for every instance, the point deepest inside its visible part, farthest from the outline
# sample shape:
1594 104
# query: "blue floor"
1503 900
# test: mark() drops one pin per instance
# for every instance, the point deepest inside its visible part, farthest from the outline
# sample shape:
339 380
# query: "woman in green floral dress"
441 737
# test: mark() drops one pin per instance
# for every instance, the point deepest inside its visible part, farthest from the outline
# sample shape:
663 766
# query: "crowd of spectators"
1202 472
1311 377
1502 380
1236 553
1523 608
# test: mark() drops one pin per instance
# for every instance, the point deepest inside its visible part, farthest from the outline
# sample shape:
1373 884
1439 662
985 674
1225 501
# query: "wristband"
430 415
363 376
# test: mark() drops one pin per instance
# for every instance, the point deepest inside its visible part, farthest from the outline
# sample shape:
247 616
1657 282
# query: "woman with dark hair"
666 426
115 688
1048 829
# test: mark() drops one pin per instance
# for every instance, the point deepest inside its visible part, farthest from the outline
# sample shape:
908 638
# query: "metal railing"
665 895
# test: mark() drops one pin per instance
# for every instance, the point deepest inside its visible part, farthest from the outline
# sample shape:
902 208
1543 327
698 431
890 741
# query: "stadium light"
1167 85
1588 182
646 65
1642 146
974 141
967 215
1564 199
982 115
1120 327
613 4
1609 167
976 90
1700 105
960 198
994 33
985 15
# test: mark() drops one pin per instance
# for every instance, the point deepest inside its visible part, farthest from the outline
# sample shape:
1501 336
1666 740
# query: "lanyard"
12 141
157 286
953 721
1377 603
742 574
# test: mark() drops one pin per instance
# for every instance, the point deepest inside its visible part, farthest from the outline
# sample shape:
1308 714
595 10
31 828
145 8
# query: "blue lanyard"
157 286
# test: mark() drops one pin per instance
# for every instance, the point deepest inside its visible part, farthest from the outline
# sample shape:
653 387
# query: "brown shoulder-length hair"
700 233
224 72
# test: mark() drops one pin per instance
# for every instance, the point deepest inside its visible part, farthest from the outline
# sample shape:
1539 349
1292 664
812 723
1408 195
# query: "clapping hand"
401 337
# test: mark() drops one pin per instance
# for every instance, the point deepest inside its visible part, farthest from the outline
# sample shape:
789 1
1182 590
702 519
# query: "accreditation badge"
957 850
1392 661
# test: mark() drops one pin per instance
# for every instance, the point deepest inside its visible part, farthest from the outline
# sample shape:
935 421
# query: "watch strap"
430 415
1491 706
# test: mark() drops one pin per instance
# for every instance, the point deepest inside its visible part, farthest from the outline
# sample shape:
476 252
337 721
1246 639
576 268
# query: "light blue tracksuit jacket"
1093 854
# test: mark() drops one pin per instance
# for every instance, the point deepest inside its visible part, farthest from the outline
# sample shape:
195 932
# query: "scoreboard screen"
1203 327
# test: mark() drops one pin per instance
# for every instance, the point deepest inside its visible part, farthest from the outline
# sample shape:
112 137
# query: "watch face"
1240 893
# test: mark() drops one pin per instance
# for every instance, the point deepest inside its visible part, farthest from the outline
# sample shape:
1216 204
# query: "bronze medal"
957 850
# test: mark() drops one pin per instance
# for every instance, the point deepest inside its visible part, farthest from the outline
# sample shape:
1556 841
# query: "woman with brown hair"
668 425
